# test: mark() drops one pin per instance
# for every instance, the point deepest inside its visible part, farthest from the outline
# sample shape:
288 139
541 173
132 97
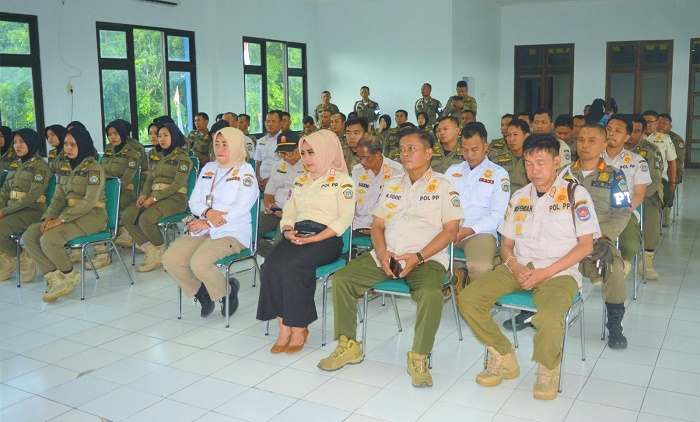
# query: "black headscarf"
76 123
162 120
127 125
387 119
31 138
60 132
7 134
86 148
177 139
596 112
121 128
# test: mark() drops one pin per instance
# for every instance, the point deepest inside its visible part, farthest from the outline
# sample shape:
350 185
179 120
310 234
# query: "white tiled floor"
123 355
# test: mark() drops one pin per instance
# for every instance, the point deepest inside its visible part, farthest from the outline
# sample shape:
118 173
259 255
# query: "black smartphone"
395 267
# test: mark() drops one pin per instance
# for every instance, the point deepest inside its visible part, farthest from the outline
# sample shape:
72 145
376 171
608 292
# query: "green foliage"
17 98
275 76
14 38
149 63
115 95
112 44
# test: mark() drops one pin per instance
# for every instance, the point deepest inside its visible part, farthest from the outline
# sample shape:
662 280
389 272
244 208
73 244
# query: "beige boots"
154 254
123 239
7 267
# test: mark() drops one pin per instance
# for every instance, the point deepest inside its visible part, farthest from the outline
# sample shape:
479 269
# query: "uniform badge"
583 213
132 164
347 193
456 174
518 229
183 168
390 205
432 186
394 188
505 185
247 181
561 195
93 180
455 201
643 153
488 173
604 177
38 178
627 159
644 167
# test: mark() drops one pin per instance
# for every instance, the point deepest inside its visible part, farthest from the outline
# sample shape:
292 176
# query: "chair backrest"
195 163
3 176
254 220
347 242
51 189
191 181
112 187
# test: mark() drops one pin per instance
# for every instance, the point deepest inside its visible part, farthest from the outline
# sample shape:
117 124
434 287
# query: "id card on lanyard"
209 199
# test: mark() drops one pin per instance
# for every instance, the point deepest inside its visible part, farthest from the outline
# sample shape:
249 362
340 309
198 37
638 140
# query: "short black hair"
352 114
443 118
386 119
308 120
650 113
462 84
219 116
611 104
364 87
666 116
541 142
428 84
543 111
406 124
578 116
203 115
525 113
422 135
357 121
285 114
456 98
636 118
218 126
244 116
424 114
507 115
277 112
623 118
596 126
564 120
326 92
520 124
231 112
342 116
475 128
405 113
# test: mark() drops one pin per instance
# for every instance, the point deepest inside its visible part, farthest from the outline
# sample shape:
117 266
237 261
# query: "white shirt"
368 189
484 192
265 153
633 165
543 228
234 191
249 146
280 183
665 145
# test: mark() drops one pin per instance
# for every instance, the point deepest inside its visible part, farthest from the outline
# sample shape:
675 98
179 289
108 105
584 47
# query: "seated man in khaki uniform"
414 222
542 242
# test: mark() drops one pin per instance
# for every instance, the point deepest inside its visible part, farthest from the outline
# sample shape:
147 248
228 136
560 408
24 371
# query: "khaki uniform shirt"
56 160
328 200
469 104
543 228
368 188
25 189
321 108
169 176
79 194
369 111
484 192
414 213
390 141
348 154
443 160
668 151
513 164
123 165
138 146
280 183
200 144
679 144
635 168
652 155
9 160
430 106
611 198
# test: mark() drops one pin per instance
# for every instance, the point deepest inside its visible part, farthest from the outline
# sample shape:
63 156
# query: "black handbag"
308 227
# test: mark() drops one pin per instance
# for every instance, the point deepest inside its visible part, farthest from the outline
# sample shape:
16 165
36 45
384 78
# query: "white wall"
68 47
590 25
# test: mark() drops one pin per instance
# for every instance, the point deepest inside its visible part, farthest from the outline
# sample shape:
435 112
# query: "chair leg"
256 269
383 299
365 303
179 302
635 277
133 253
325 310
87 254
486 357
228 293
121 260
396 312
515 332
267 328
582 329
605 319
19 251
454 310
82 272
360 319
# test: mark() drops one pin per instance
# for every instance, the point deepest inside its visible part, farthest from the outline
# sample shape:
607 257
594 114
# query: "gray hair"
372 143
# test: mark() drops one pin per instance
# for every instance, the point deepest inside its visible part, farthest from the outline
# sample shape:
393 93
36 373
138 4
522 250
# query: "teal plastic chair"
393 287
323 274
226 262
169 222
17 237
3 176
104 237
362 242
270 235
523 301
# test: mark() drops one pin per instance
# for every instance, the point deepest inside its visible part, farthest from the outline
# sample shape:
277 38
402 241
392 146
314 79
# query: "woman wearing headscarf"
164 193
22 201
320 208
7 153
55 134
225 192
76 123
597 111
77 209
121 159
383 126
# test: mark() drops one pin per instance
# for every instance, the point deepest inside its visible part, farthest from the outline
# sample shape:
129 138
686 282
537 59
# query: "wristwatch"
421 260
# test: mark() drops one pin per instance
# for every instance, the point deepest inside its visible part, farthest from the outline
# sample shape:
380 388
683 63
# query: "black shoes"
520 321
616 311
208 305
232 298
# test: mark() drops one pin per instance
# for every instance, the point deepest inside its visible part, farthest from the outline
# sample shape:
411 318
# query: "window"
145 73
639 75
275 78
544 78
21 103
692 134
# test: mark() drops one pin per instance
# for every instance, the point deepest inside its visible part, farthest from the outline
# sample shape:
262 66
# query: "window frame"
128 64
32 61
542 69
261 70
693 68
637 69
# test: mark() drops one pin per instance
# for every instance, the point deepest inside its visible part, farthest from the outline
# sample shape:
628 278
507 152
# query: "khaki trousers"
552 297
190 261
479 251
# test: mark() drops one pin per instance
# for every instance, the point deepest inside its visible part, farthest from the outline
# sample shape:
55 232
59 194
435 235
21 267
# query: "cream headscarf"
236 145
328 154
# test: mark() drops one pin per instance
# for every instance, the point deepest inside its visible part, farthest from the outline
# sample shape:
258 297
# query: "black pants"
288 280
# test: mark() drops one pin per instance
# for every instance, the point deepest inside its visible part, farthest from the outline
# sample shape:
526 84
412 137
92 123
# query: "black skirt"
288 280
